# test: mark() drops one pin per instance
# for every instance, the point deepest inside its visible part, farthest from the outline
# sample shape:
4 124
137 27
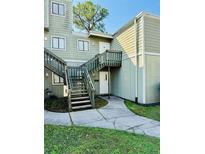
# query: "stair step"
78 87
81 107
73 94
80 98
79 90
78 83
80 102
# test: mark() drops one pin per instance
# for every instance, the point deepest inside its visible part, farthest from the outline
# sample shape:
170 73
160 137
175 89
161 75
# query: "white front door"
103 46
103 82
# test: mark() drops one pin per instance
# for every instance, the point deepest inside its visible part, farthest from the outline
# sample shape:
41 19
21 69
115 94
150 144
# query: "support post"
69 97
109 83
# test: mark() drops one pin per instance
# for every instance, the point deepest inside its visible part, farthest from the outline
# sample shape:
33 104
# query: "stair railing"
89 85
107 58
75 72
54 63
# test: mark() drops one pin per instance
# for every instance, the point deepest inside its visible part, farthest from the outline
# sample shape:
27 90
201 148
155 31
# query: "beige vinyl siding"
125 42
139 35
140 79
152 62
148 65
152 78
152 34
140 65
123 80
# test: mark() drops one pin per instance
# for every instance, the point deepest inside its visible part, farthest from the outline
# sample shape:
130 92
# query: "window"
57 79
58 43
83 45
58 9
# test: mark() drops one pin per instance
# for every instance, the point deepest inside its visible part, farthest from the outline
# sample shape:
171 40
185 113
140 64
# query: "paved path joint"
115 115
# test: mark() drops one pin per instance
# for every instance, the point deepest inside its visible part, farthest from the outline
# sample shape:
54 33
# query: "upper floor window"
83 45
58 9
58 43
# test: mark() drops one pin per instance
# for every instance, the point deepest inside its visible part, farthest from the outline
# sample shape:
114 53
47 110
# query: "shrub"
55 104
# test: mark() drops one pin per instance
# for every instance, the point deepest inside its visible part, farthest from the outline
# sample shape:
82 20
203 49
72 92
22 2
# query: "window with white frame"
58 9
83 45
58 43
57 79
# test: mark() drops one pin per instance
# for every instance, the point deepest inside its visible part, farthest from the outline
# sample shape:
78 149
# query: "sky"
121 11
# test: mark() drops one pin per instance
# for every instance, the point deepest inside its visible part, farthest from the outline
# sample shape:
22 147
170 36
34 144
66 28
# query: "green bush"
56 104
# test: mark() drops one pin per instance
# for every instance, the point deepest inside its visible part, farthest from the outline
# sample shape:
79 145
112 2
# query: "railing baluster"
54 63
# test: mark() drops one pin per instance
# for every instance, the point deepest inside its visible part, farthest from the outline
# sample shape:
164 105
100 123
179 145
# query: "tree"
89 16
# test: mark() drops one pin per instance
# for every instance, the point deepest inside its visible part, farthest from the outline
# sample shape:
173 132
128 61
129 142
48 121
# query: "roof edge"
100 35
139 15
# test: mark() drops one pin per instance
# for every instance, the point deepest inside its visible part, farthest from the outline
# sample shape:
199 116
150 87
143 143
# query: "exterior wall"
62 27
139 75
57 90
148 59
96 81
152 34
75 54
123 80
59 26
152 78
46 14
140 65
152 58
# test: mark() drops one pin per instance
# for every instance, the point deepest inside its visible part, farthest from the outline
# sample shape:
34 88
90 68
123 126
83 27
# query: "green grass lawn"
152 112
83 140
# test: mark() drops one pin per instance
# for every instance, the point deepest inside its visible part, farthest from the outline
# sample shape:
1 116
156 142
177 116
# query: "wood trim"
152 53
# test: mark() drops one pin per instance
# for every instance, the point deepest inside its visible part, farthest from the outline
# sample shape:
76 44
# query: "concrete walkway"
115 115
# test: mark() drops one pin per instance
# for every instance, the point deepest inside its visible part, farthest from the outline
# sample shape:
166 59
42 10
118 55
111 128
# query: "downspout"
136 52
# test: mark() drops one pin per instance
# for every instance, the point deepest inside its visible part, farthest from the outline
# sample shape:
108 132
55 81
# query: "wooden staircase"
80 99
81 84
81 90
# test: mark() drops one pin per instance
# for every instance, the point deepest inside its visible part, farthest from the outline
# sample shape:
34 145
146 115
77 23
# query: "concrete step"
82 107
80 98
80 102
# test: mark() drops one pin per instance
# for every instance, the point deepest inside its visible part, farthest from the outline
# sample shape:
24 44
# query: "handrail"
89 85
107 58
53 55
54 63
